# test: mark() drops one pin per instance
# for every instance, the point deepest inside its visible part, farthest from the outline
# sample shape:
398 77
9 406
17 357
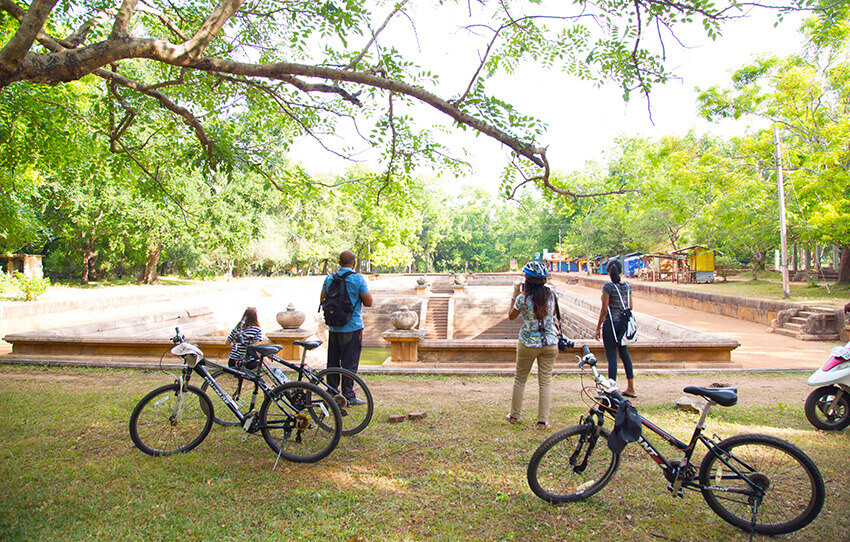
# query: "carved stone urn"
422 282
460 280
291 318
404 318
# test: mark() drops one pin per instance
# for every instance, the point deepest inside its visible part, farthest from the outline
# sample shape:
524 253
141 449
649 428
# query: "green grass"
71 473
769 286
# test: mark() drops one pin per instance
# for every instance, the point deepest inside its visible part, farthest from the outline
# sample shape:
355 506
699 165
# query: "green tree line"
104 182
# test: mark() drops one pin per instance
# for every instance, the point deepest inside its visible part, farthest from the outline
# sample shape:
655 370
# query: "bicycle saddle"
265 350
721 396
308 345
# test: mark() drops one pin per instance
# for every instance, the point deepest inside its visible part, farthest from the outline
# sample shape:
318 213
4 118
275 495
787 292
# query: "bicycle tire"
237 388
819 400
795 488
156 431
551 474
289 426
354 418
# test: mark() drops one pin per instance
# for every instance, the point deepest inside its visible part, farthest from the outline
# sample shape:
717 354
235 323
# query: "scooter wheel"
819 414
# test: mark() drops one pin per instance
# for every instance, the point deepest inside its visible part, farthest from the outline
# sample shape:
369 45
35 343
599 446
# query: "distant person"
343 314
246 332
538 340
616 298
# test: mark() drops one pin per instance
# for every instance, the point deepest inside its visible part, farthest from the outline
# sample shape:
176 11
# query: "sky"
583 120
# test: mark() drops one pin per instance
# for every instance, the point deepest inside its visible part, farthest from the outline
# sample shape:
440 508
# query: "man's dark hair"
347 258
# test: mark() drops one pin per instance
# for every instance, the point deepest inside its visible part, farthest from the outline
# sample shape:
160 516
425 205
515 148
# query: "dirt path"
759 349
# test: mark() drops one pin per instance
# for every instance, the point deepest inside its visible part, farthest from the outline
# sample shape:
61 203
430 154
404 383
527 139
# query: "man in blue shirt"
346 342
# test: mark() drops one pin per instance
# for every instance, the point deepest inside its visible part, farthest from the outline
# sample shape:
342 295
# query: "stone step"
822 310
787 332
807 337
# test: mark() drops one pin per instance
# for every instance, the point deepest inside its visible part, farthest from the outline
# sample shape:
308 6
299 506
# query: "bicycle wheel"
555 472
355 417
818 410
237 388
160 425
792 485
300 422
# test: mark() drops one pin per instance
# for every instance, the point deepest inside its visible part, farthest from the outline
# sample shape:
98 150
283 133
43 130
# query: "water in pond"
374 355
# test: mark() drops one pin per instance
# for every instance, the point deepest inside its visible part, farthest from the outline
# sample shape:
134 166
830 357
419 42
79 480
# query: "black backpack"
337 305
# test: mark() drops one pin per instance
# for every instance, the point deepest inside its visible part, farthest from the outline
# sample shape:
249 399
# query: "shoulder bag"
626 324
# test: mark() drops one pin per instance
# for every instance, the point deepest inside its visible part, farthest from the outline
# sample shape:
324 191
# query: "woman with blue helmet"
538 340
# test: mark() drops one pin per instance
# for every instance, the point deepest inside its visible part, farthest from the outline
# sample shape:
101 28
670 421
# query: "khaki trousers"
525 356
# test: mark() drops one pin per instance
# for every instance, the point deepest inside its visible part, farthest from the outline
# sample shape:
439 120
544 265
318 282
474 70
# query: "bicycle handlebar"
607 385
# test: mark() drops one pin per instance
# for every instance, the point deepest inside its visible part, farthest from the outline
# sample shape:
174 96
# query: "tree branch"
353 64
29 29
121 25
195 47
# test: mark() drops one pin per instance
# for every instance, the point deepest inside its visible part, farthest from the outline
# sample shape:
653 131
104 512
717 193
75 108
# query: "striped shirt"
241 338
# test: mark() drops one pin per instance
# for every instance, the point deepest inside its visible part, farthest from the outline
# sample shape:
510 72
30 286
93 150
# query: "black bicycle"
299 421
355 404
758 483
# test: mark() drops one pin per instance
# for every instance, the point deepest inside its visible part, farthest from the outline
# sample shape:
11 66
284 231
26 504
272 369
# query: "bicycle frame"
675 471
244 419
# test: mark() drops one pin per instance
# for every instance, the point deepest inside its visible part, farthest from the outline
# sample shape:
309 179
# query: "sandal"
511 419
542 426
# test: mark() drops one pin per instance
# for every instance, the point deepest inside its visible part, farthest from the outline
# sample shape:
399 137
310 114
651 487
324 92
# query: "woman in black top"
616 296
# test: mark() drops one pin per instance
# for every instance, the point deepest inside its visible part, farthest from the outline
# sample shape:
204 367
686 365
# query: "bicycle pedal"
673 493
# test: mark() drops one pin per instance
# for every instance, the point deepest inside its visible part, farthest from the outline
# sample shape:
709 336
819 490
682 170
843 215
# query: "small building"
632 264
27 264
659 267
558 261
700 261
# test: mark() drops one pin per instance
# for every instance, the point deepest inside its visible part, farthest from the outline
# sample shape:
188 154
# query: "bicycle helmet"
535 270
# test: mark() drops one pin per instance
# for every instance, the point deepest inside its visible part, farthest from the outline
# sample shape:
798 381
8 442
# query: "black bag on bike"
337 304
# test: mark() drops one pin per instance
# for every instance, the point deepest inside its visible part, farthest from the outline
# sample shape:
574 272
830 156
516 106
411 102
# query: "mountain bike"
299 421
355 416
758 483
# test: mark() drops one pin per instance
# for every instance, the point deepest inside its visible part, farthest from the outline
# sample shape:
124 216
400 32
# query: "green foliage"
807 96
726 265
31 287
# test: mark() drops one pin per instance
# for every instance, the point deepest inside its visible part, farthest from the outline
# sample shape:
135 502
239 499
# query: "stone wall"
760 311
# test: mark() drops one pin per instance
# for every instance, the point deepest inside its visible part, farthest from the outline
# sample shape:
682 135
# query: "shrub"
727 265
7 284
31 287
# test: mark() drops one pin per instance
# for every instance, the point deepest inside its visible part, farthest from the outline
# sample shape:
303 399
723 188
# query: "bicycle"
758 483
298 420
355 417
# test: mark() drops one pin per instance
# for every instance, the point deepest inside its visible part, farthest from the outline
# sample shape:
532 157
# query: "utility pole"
587 241
786 291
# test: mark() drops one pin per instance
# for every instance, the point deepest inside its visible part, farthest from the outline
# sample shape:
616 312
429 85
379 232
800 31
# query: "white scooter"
828 407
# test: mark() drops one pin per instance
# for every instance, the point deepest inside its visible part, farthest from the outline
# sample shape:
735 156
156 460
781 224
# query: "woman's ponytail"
614 271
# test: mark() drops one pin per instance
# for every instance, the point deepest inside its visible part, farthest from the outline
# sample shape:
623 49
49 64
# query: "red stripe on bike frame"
663 434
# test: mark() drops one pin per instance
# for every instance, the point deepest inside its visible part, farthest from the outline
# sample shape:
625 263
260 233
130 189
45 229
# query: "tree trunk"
796 259
89 255
149 275
844 266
